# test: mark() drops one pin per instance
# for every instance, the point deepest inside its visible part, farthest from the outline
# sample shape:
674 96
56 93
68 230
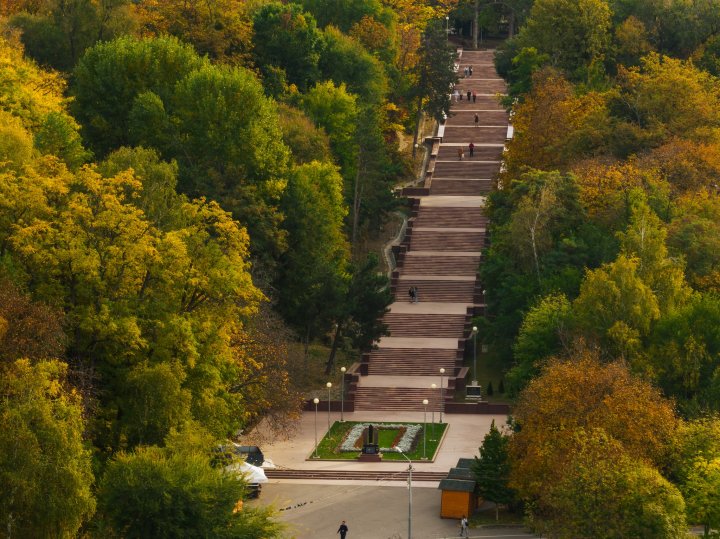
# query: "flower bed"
404 442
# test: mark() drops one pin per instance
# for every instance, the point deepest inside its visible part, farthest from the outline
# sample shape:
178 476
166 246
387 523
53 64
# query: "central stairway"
440 255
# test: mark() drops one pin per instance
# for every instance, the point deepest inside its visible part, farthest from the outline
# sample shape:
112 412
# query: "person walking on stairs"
461 154
471 147
474 95
342 530
411 293
477 120
469 95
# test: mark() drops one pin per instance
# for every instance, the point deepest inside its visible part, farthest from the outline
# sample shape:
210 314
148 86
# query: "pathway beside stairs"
441 254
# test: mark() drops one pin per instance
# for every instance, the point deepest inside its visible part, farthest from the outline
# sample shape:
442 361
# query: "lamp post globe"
316 401
329 386
474 336
442 394
425 403
342 393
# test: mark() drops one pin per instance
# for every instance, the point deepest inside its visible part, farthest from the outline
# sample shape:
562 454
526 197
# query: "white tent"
253 474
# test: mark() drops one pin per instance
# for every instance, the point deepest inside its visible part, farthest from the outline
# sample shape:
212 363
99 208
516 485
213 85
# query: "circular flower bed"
404 443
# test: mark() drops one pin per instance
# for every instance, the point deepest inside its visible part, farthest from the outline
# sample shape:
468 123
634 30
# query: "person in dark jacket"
342 530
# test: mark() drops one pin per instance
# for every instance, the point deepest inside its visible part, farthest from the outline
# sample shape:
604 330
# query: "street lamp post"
425 403
474 336
447 26
316 401
342 394
329 386
442 394
410 470
433 387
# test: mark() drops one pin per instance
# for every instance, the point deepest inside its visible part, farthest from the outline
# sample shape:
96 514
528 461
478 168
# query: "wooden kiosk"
458 492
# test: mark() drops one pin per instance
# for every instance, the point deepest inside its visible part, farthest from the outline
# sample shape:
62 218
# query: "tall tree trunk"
333 350
357 200
476 11
418 119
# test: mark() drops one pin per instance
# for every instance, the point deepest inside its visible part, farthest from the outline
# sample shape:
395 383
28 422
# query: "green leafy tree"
335 110
702 493
60 31
434 74
158 198
175 492
359 316
573 33
344 60
287 37
615 307
541 336
313 279
112 75
345 14
492 469
307 142
230 149
605 494
45 468
682 354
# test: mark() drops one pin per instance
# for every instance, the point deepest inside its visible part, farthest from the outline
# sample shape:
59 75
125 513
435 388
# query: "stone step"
396 399
450 217
467 168
422 240
480 153
461 187
355 475
423 325
490 134
487 117
440 265
437 291
478 86
484 102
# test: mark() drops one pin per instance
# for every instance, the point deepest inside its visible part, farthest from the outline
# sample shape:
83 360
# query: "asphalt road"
314 511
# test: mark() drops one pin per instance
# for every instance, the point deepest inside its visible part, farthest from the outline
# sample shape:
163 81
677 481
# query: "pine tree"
491 469
489 391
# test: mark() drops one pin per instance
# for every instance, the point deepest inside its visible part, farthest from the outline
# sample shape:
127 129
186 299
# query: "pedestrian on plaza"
474 97
342 530
469 95
471 147
461 154
464 527
477 120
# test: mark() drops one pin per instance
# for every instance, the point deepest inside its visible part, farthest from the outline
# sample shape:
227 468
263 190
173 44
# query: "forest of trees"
187 191
602 276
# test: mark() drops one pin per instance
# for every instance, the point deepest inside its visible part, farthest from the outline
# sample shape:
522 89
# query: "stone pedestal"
370 457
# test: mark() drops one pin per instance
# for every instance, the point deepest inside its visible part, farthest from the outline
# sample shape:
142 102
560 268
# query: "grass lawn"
328 447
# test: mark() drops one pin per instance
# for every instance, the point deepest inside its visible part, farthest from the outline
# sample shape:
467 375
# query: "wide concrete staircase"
440 256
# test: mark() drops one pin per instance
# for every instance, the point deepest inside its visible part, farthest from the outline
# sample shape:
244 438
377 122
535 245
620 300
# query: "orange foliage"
604 186
553 125
584 394
687 166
